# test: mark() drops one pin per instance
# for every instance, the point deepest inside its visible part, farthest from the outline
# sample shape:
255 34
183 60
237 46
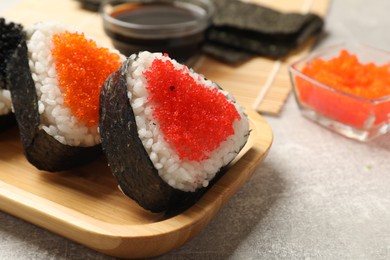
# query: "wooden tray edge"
138 241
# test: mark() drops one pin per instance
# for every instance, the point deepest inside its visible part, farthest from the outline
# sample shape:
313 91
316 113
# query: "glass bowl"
348 114
175 27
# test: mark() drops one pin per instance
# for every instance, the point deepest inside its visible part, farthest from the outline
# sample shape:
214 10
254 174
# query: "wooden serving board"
86 206
260 84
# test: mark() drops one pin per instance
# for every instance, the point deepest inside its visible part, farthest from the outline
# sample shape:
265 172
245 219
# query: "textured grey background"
317 195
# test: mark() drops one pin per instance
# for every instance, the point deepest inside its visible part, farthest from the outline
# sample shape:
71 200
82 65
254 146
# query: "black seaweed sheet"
226 53
257 30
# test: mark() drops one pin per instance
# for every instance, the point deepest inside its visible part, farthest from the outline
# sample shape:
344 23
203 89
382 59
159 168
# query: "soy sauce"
146 30
153 14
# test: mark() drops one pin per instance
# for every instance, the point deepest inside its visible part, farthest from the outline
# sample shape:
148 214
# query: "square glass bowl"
347 114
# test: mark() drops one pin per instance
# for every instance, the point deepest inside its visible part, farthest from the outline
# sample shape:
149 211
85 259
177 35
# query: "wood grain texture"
247 82
85 205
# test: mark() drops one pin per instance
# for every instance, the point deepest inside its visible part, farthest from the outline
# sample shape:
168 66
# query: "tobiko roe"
193 118
82 67
345 89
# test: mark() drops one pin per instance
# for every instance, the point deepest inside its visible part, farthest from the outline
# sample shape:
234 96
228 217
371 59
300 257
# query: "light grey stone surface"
317 195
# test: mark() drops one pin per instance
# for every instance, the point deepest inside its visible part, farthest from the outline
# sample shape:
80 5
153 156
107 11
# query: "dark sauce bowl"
175 27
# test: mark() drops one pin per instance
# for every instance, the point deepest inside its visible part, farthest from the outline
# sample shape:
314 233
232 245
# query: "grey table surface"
317 195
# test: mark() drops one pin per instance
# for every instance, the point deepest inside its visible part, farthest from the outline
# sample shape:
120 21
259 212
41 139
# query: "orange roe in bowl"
82 67
347 74
193 118
356 86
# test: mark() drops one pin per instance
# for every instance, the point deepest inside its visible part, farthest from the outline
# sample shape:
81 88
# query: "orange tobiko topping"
348 75
193 118
82 68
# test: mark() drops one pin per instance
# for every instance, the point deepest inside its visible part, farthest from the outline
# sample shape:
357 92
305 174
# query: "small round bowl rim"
200 23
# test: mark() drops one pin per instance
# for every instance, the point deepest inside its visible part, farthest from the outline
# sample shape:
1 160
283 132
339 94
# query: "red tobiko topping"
82 68
194 119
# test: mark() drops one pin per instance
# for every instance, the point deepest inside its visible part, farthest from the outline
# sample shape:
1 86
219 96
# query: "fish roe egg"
82 67
194 119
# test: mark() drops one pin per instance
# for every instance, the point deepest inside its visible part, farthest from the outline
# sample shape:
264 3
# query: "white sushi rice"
56 118
184 175
5 102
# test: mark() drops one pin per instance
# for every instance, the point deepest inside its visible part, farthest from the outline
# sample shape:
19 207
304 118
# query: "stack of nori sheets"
243 30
